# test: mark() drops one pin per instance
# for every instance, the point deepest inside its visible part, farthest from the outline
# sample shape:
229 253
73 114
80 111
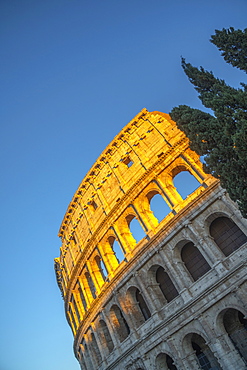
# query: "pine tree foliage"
233 44
222 137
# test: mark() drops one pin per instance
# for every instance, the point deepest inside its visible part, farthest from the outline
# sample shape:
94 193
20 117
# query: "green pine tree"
222 137
233 44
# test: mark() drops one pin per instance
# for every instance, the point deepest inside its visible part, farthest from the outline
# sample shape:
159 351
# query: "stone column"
108 257
96 276
100 347
74 314
236 214
158 298
71 323
86 290
221 346
79 305
170 191
205 243
240 294
175 353
150 298
125 237
122 303
190 361
145 213
195 168
87 355
112 332
176 270
228 356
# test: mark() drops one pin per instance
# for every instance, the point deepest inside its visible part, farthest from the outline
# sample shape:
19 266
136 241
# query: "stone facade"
176 298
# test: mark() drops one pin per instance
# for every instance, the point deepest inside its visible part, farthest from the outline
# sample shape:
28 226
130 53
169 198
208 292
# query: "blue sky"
73 73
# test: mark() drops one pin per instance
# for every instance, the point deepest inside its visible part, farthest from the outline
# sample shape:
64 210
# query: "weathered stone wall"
177 296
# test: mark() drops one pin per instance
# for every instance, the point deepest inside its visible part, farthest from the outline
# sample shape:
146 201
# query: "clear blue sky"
73 73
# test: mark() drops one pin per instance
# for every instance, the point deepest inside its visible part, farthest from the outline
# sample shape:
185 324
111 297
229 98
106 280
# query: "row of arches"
148 210
181 181
226 235
197 350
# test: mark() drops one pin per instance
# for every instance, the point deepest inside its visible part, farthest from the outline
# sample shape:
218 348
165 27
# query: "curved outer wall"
176 289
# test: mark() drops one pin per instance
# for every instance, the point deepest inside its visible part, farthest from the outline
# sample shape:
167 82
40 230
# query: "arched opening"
94 349
166 285
101 267
82 297
142 304
158 206
105 337
87 356
135 228
119 323
117 249
164 362
75 306
137 306
82 363
127 161
194 261
72 316
90 284
185 183
227 235
236 327
201 357
202 352
81 359
158 297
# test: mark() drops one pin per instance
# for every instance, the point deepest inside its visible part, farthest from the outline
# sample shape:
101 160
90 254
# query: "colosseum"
152 272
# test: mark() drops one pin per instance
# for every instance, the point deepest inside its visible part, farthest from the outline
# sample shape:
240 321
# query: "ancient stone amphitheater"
174 297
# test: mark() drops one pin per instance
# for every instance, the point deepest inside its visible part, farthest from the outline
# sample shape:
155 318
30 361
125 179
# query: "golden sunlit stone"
176 293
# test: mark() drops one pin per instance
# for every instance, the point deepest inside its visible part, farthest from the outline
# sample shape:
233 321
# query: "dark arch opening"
227 235
143 306
105 336
83 300
87 356
170 364
95 350
201 357
236 327
165 362
194 261
76 309
205 357
120 324
90 284
81 359
166 285
72 317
